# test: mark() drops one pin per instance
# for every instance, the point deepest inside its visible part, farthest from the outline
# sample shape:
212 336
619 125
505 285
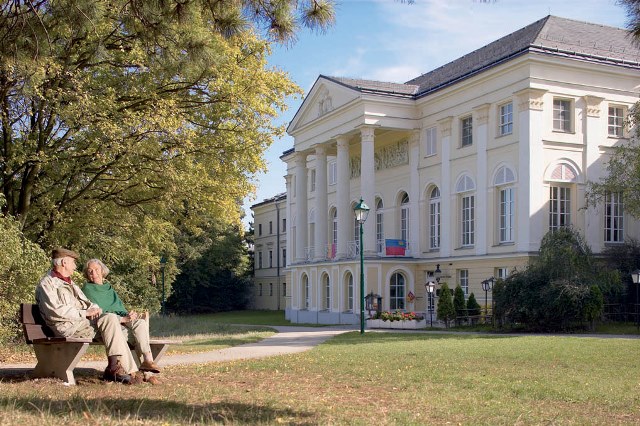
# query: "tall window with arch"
404 217
563 180
434 219
349 292
397 291
307 291
379 226
326 291
334 232
504 183
613 218
465 188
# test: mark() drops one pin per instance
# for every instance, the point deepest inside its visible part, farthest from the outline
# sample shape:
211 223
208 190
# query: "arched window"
306 291
379 226
326 291
349 292
561 192
404 217
434 219
397 291
467 201
503 181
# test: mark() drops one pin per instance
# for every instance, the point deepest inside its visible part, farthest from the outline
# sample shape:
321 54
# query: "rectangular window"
431 147
259 229
467 131
312 181
506 119
270 258
434 224
284 289
284 225
468 231
502 273
259 260
506 215
333 172
260 289
270 289
379 232
562 115
559 207
270 227
350 293
327 294
616 121
284 257
613 218
404 223
463 277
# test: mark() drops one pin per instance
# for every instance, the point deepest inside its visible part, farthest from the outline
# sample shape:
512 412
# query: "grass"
375 378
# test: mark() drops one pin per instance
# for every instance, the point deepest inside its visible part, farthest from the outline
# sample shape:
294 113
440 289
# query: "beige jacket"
63 306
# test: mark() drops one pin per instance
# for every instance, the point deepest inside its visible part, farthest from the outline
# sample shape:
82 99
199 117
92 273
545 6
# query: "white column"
532 215
447 225
321 204
483 217
593 216
345 216
367 187
414 194
302 223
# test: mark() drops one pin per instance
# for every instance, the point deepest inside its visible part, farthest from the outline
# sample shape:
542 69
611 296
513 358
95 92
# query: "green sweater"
106 297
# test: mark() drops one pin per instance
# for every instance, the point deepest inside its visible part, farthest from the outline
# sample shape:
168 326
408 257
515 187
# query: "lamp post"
487 285
361 210
430 288
635 277
163 263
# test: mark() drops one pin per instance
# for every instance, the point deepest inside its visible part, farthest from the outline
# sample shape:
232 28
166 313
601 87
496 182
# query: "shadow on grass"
158 411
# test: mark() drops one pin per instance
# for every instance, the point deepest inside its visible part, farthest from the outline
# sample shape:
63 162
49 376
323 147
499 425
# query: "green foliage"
459 304
473 308
445 310
22 264
216 281
556 291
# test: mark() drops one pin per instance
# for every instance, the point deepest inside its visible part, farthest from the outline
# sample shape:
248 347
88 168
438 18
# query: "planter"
397 325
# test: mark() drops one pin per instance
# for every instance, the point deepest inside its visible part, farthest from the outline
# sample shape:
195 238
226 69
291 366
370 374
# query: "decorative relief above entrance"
325 104
385 158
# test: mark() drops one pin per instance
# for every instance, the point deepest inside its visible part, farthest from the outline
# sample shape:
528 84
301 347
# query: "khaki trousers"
137 332
109 331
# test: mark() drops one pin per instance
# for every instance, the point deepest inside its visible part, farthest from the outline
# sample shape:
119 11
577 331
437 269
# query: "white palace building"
465 167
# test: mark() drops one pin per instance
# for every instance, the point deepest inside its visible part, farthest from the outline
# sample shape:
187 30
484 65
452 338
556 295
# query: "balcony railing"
384 248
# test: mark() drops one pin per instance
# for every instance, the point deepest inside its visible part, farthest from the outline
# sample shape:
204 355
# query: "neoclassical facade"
466 167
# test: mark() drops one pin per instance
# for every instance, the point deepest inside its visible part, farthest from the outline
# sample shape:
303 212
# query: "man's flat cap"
63 252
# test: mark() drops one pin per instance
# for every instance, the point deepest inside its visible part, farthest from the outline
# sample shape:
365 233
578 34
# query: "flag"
395 247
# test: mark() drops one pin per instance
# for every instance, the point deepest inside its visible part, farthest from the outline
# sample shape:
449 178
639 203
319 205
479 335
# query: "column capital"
594 104
367 133
530 99
445 126
481 114
321 150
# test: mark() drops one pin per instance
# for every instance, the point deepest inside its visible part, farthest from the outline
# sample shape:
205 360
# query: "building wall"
537 155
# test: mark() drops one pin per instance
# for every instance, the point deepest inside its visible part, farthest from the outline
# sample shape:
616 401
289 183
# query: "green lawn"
376 378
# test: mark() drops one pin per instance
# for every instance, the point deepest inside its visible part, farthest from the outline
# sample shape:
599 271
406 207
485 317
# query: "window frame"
435 219
466 131
563 118
463 280
404 217
614 218
560 205
397 291
505 119
431 141
618 121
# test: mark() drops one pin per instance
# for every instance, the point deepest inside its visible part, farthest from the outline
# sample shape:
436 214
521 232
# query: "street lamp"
430 288
163 263
361 210
635 277
487 285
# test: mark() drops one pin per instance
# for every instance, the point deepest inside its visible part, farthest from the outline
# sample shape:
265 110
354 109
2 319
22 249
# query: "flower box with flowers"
397 320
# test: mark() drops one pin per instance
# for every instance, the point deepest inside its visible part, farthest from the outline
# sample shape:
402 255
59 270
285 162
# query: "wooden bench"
58 356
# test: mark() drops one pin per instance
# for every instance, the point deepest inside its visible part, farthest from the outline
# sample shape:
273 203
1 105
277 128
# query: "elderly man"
69 313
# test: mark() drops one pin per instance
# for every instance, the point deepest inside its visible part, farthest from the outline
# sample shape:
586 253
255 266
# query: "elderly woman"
100 292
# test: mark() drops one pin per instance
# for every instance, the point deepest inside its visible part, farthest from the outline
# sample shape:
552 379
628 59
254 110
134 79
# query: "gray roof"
551 35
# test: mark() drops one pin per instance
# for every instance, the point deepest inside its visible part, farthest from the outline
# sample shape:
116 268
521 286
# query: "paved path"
288 340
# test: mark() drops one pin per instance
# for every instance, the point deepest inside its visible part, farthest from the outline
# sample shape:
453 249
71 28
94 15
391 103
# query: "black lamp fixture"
487 285
635 277
361 211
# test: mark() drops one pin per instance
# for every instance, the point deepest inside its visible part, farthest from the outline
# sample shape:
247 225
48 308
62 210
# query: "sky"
392 41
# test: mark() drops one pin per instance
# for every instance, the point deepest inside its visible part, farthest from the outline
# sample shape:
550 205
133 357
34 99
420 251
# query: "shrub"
459 305
473 308
22 264
445 310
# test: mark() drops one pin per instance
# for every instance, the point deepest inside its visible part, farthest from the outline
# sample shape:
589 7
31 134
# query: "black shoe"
117 375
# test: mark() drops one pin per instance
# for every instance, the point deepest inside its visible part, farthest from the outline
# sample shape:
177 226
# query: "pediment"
324 98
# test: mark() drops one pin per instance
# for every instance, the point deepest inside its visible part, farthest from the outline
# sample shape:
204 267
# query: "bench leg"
157 351
59 360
